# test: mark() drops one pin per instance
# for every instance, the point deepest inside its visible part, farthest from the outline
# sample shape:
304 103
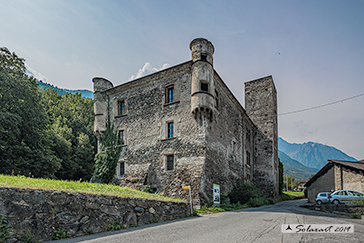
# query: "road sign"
216 195
189 192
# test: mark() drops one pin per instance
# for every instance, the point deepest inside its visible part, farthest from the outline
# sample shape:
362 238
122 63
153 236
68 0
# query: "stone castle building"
183 126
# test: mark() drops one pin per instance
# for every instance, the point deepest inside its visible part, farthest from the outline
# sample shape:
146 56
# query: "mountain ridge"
84 92
311 154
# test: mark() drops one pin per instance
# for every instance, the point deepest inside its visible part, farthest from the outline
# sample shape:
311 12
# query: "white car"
345 196
323 197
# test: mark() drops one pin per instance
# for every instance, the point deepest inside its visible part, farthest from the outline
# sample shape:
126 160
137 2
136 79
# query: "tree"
24 139
290 182
107 158
280 172
71 118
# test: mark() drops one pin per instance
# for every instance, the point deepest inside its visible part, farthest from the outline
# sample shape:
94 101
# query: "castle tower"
261 107
100 104
202 85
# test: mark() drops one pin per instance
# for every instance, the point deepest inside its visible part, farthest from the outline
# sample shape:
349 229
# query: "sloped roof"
354 165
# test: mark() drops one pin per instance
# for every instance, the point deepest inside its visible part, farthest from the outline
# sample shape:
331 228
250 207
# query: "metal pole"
189 190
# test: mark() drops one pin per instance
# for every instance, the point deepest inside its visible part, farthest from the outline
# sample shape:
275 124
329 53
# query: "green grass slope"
78 187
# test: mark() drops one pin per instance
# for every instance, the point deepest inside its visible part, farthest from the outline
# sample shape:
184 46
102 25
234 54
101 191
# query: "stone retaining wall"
42 212
347 209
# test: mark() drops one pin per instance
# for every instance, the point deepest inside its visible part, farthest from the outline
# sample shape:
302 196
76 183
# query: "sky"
314 49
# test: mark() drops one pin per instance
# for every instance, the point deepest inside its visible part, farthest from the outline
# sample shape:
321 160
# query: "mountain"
85 93
295 168
310 154
42 81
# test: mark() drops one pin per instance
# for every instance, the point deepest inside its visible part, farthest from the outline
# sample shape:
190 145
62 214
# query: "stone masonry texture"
215 140
42 212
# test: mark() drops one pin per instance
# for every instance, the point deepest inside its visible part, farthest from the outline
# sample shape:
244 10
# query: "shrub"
59 234
28 238
258 201
243 193
5 229
358 201
115 226
147 188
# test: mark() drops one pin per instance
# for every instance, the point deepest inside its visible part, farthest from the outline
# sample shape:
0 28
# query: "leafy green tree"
24 138
107 158
71 118
290 182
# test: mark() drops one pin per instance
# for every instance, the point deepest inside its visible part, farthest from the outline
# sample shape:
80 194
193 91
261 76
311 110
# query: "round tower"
202 84
100 104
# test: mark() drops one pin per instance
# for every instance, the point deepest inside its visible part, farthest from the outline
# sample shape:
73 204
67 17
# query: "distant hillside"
314 155
295 168
85 93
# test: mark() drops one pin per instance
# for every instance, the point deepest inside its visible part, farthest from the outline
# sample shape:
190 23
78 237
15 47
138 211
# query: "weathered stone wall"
100 104
43 212
145 129
210 144
349 209
353 180
224 139
325 183
261 107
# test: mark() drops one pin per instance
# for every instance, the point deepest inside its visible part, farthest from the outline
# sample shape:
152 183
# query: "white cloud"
37 75
147 69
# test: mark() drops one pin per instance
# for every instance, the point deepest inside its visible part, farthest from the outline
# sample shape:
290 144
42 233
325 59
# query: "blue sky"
313 49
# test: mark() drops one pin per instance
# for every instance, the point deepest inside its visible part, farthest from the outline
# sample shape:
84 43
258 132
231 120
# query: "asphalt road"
261 224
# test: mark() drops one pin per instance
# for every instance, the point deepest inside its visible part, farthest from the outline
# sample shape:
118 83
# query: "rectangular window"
122 136
248 157
122 168
204 86
248 136
170 94
170 162
203 58
121 107
216 99
170 130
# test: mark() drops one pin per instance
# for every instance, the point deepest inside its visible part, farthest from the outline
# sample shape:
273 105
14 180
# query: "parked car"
323 197
345 196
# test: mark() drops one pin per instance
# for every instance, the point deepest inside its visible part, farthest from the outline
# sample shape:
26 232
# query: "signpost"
216 194
189 192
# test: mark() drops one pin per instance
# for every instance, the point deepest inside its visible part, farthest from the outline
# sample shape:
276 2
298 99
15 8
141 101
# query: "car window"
351 193
343 193
322 194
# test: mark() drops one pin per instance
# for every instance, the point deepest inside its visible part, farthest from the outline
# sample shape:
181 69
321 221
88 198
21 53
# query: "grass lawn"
290 195
223 208
78 187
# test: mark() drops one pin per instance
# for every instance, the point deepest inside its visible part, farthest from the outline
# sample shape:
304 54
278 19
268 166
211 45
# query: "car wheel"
318 202
336 202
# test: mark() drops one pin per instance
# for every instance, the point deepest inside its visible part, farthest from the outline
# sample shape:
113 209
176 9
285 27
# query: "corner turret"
100 104
202 85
